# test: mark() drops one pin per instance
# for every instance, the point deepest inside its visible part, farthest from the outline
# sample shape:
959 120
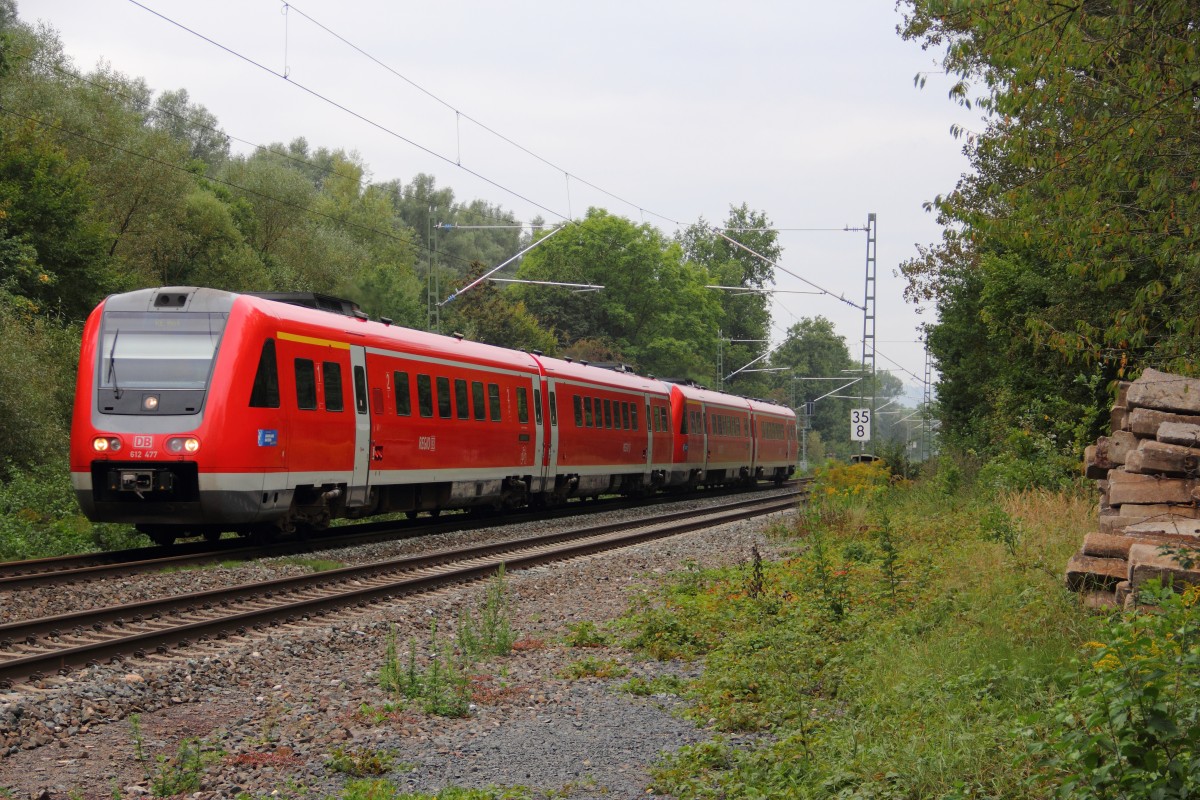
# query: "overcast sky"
677 110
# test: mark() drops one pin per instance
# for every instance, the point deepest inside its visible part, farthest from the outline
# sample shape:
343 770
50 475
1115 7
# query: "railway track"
95 566
34 649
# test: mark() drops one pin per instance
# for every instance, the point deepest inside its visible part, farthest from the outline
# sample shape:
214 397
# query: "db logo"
144 442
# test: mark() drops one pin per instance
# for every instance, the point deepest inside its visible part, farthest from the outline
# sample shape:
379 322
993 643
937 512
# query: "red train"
199 411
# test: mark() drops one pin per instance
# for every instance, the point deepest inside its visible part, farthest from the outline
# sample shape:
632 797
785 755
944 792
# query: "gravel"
276 710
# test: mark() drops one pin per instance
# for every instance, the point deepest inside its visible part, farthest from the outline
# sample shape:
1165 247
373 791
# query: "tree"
745 316
1073 244
654 309
814 361
489 314
192 124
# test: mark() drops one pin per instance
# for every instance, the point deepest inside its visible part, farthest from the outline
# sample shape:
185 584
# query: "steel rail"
61 570
277 600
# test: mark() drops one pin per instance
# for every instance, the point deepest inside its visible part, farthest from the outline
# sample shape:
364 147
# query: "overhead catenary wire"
362 118
463 115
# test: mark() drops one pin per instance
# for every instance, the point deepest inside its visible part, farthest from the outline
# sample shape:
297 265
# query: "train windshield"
148 350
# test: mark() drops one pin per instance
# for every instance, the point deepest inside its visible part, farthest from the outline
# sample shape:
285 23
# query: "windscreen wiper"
112 365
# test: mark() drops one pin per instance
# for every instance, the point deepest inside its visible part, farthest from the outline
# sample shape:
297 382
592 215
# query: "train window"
477 399
553 411
522 404
578 402
331 376
537 406
403 398
666 424
494 401
461 399
360 390
306 384
424 395
587 412
649 417
683 423
608 413
443 398
625 416
265 392
633 415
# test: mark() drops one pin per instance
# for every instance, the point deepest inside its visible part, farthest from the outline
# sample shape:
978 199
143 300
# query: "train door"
649 451
359 490
550 442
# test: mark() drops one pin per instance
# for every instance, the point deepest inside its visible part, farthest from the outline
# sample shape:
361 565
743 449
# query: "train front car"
144 407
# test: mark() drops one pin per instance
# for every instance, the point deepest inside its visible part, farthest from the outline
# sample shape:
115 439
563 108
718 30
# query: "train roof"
584 372
701 394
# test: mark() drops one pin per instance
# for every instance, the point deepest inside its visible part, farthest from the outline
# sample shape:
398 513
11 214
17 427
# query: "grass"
894 653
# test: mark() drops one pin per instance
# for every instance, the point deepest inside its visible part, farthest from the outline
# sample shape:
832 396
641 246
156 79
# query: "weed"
361 762
495 629
889 563
181 772
662 684
755 580
997 526
312 564
441 687
592 667
386 790
585 634
832 583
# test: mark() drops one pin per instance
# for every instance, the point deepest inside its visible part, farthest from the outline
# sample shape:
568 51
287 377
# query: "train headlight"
183 444
149 402
106 444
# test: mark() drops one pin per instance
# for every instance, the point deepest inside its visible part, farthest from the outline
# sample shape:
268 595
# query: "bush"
1131 725
39 516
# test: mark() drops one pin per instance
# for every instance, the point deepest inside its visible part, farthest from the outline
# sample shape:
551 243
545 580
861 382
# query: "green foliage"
39 516
907 680
1069 254
175 774
34 414
440 687
654 311
386 790
359 761
662 684
592 667
1130 726
585 634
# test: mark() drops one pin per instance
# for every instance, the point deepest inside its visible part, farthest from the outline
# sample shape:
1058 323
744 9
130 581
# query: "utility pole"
868 339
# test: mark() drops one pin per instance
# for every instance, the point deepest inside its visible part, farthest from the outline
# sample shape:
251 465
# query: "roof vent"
386 320
457 335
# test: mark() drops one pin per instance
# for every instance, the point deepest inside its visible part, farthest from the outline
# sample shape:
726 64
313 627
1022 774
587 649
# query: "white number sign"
860 425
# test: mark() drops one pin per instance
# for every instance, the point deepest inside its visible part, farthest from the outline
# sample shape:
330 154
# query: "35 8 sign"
860 425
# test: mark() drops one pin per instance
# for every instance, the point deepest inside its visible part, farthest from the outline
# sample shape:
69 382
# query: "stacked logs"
1148 472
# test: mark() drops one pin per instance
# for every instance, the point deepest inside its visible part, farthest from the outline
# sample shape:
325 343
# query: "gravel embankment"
278 706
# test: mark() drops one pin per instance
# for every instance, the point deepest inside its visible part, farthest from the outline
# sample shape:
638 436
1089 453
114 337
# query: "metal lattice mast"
926 419
868 339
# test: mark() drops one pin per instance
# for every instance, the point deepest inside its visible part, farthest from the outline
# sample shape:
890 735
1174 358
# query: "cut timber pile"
1148 471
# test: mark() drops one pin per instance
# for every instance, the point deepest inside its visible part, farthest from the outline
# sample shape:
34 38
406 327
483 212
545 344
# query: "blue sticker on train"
267 438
